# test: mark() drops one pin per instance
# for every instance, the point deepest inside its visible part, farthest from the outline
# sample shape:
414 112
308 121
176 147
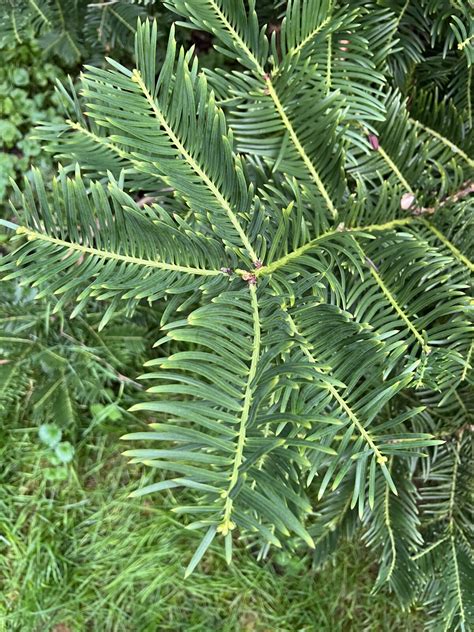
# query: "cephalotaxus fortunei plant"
305 233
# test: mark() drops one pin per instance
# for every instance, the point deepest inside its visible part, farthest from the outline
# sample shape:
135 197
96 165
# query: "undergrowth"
27 96
84 557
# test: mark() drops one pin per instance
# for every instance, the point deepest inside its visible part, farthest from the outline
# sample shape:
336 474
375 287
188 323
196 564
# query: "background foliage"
83 555
26 97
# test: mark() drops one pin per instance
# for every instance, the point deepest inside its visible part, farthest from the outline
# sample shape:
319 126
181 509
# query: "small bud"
406 201
226 526
250 278
226 271
257 264
266 78
374 142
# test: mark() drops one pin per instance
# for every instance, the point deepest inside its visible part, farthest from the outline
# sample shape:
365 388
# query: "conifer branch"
393 301
271 90
455 251
299 147
227 525
307 40
299 337
137 78
101 140
295 254
454 148
32 235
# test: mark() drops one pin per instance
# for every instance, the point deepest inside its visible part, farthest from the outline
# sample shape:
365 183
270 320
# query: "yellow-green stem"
195 166
381 458
106 254
393 302
227 524
278 263
456 252
445 141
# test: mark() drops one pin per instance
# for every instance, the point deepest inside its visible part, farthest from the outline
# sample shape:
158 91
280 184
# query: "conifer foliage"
302 219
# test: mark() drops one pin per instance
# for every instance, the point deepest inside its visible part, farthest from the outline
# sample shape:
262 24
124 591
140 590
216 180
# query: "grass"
78 555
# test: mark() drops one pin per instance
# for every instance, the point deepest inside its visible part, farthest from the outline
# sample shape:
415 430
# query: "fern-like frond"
417 313
78 139
237 28
61 32
285 123
157 121
98 242
394 526
354 392
440 119
423 162
446 505
295 145
113 25
217 400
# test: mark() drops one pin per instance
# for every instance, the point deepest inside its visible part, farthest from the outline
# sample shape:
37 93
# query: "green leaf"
202 548
50 435
64 451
